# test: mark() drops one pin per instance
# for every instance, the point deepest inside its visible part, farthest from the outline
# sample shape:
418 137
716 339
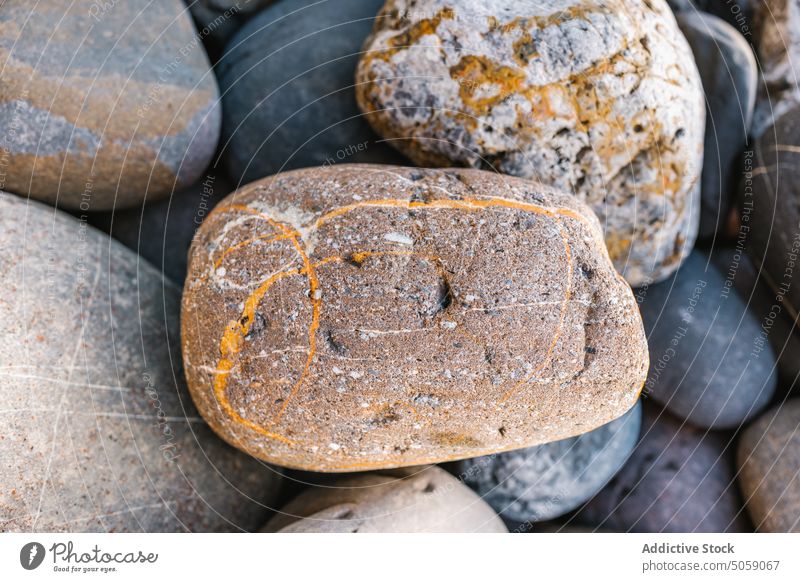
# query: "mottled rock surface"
422 499
98 431
103 103
364 317
769 463
777 42
287 81
162 232
679 479
730 82
597 98
770 206
710 363
544 482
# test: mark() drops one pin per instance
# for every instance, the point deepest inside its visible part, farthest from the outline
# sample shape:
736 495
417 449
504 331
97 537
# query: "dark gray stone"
769 468
769 204
709 363
162 232
730 76
98 430
287 82
678 479
777 324
544 482
738 13
218 20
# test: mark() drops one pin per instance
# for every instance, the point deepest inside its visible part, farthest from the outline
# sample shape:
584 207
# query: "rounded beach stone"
769 468
423 499
710 362
103 103
218 20
287 83
544 482
769 204
679 479
98 431
364 317
601 99
777 324
730 82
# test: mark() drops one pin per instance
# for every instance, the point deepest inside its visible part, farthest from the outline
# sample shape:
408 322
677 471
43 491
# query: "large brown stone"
362 317
601 99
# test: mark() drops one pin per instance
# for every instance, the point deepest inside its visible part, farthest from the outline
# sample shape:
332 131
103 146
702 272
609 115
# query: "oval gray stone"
99 432
679 479
709 361
544 482
769 204
730 82
287 84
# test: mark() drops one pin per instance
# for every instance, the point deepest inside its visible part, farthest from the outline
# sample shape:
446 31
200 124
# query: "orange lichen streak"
233 337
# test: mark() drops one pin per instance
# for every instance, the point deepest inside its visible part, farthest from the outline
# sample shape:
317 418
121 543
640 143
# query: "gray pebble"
730 82
287 81
98 430
709 363
544 482
679 479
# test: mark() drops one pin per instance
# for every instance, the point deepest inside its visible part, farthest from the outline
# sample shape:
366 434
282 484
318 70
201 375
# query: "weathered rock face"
287 81
115 103
679 479
711 363
730 82
422 499
597 98
770 206
544 482
769 463
777 41
98 431
361 316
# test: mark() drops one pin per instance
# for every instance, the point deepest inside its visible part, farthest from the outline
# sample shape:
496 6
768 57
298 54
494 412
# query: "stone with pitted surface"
366 316
602 99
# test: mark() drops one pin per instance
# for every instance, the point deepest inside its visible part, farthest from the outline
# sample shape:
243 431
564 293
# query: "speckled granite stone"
601 99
